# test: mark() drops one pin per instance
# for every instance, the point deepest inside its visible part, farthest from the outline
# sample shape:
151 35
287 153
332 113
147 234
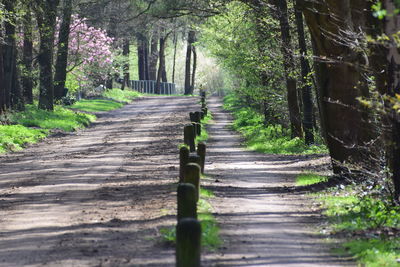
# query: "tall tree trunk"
162 60
339 78
141 57
174 60
305 72
125 53
292 96
153 59
27 58
146 58
9 54
193 69
46 18
60 75
188 64
2 84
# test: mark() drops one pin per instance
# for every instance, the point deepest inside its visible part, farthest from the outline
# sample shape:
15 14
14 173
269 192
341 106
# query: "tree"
62 51
27 58
154 53
46 14
188 66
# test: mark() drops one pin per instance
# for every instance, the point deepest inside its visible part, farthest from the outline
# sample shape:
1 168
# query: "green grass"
119 95
209 226
309 179
272 139
61 118
204 134
366 220
15 137
96 105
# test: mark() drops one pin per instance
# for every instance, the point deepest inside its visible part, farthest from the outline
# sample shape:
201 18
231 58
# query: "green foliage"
374 252
273 139
368 218
309 179
209 226
14 137
204 134
61 118
125 96
96 105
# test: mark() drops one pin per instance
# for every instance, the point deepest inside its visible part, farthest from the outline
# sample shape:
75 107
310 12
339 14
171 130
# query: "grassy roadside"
32 125
272 139
369 226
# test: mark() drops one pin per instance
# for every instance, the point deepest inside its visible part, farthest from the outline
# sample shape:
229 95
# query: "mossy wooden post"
196 128
192 176
183 160
201 151
197 118
194 158
188 243
189 136
205 111
187 204
192 117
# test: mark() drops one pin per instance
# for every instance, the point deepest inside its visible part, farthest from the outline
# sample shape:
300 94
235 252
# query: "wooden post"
192 176
201 151
205 111
187 204
188 243
183 160
192 116
189 136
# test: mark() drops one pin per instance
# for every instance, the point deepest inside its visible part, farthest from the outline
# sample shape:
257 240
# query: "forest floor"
99 196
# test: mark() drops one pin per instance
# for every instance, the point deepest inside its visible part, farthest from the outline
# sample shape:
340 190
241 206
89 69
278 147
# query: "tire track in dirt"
262 222
95 197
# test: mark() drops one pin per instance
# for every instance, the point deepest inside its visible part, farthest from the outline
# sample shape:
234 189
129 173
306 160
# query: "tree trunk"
125 53
188 66
27 58
194 69
340 83
174 60
162 60
2 85
60 75
153 59
46 17
292 97
141 57
305 72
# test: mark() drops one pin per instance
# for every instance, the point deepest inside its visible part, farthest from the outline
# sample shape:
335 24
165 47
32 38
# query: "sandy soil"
263 221
96 197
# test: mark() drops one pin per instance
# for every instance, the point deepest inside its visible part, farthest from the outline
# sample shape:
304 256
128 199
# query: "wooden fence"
149 87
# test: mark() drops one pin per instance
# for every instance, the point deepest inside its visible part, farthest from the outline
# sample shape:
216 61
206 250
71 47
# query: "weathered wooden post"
197 119
183 160
205 111
188 243
192 176
194 158
187 204
201 151
189 136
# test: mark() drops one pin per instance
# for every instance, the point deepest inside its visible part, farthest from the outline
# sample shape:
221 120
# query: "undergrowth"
266 139
15 137
370 225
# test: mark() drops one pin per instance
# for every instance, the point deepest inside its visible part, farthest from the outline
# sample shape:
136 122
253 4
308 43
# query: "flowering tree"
90 56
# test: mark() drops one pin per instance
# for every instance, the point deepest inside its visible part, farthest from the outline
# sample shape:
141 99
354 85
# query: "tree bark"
46 18
27 58
340 83
153 59
143 54
161 75
174 60
292 96
60 75
305 72
194 69
188 65
125 53
2 84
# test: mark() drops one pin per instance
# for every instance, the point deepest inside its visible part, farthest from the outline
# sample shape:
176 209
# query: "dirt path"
262 223
96 197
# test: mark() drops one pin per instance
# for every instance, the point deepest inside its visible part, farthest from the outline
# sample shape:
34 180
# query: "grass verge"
369 226
15 137
272 139
210 231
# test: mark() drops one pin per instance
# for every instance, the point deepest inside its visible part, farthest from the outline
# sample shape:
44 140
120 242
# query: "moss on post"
201 151
189 137
192 176
188 243
187 204
183 160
